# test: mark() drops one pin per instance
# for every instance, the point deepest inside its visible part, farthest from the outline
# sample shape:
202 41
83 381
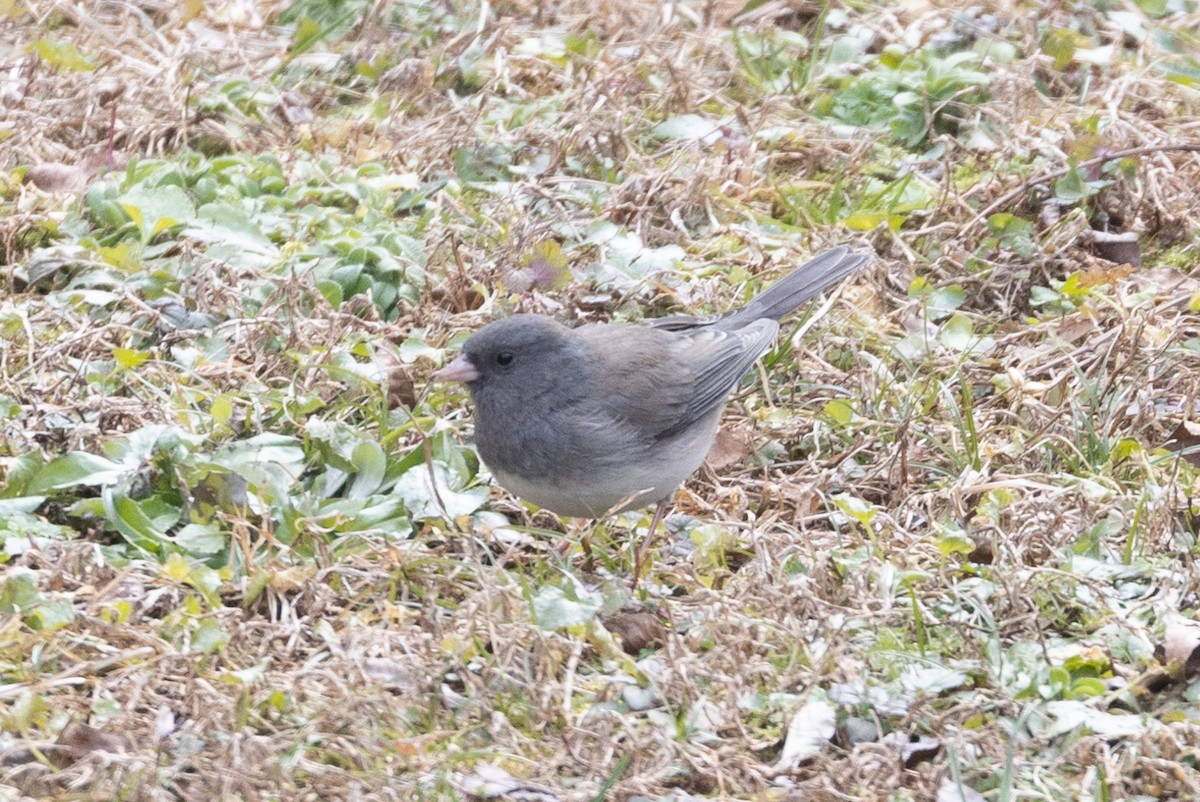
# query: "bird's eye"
504 358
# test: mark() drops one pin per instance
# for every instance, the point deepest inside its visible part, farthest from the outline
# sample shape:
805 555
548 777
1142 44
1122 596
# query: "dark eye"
504 358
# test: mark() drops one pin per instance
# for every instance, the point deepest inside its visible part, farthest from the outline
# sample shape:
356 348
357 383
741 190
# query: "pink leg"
639 559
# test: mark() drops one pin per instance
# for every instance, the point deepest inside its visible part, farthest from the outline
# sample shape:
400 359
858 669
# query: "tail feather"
806 281
785 295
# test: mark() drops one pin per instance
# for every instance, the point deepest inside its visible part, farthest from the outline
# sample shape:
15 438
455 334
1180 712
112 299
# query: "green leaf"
132 522
840 411
1184 73
200 539
19 594
954 541
60 55
231 236
415 346
1073 186
128 358
370 464
1153 8
22 505
51 615
856 508
155 209
308 33
944 300
1086 687
331 291
957 333
263 460
556 608
1060 44
416 487
75 469
869 221
209 637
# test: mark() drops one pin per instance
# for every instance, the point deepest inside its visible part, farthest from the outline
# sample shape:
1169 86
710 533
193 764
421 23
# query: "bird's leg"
660 511
585 542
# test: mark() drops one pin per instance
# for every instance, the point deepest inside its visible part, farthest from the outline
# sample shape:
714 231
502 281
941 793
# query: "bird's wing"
661 382
718 358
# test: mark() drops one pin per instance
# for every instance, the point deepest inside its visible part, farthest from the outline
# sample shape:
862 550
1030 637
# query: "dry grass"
1003 514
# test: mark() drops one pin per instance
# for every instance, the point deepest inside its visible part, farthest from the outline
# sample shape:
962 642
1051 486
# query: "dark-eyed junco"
609 417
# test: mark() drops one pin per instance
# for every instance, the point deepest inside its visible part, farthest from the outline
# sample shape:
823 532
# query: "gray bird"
610 417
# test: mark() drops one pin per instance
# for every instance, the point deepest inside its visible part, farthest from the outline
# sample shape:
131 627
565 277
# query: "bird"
610 417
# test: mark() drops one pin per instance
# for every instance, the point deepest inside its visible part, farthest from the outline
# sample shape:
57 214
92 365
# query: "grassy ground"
943 550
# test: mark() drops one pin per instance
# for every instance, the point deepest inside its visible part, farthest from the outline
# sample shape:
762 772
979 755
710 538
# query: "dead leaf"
983 553
1164 281
295 109
401 392
1185 440
1098 276
412 75
81 740
59 177
489 781
164 722
951 791
802 495
108 89
637 631
730 447
1180 649
858 730
1122 248
811 728
919 749
1074 329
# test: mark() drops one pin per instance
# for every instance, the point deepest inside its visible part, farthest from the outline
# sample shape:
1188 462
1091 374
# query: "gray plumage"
609 417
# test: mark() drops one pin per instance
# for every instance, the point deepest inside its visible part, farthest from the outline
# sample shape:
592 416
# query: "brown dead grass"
407 666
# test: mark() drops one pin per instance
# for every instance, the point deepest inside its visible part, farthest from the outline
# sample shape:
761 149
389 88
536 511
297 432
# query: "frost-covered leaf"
554 607
808 733
1064 715
437 493
689 127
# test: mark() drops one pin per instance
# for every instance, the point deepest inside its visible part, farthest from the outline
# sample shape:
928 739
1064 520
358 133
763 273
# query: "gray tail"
807 280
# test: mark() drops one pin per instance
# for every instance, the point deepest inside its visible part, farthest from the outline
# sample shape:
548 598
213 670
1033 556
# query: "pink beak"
460 370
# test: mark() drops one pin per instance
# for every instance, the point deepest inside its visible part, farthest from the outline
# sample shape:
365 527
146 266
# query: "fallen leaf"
488 781
1071 715
1099 276
951 791
919 749
412 75
401 392
59 177
1186 440
810 729
983 553
637 631
730 447
1075 329
1180 649
1122 248
164 722
81 740
295 109
858 730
